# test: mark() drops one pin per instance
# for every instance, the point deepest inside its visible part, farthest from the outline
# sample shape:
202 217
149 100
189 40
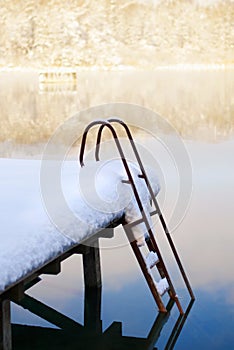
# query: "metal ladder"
151 243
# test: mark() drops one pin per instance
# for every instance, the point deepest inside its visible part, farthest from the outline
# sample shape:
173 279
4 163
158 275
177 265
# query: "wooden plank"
54 268
5 325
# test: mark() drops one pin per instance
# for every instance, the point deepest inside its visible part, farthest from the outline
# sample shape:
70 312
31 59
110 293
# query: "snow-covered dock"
33 243
65 210
29 238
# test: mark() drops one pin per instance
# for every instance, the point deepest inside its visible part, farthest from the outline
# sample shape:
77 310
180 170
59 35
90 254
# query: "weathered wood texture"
5 325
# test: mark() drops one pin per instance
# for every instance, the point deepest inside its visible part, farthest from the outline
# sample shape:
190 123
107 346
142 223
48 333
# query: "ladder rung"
126 182
154 212
148 276
139 221
162 286
134 223
151 260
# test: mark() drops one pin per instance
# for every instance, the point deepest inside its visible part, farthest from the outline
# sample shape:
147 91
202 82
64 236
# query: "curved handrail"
144 176
106 123
124 161
99 136
84 137
110 120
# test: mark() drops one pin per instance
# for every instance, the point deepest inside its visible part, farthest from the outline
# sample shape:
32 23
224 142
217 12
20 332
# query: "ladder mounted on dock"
154 258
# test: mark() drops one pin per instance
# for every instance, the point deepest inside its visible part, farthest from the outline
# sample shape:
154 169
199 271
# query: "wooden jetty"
16 292
91 262
71 332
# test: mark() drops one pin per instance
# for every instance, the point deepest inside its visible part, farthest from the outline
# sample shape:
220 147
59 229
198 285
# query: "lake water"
199 106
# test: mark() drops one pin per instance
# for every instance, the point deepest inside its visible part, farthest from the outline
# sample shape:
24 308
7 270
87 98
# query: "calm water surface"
204 238
205 242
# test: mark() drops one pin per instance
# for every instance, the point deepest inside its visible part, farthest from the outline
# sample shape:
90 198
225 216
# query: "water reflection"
199 104
90 335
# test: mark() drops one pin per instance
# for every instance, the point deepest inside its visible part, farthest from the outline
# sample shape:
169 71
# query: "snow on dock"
29 239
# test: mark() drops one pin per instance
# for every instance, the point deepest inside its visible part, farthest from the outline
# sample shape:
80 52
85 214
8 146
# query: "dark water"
205 242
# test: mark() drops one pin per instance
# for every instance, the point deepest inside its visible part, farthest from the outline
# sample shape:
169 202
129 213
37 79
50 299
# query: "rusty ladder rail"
153 198
151 243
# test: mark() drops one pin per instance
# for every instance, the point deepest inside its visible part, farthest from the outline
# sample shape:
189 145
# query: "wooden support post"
5 325
92 309
93 282
91 265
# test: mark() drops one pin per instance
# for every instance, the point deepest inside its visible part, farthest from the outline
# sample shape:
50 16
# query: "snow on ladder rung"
151 260
162 286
